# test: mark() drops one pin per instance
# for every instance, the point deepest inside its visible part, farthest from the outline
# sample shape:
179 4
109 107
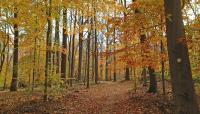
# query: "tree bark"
80 50
106 67
180 69
96 52
48 51
64 46
144 76
153 82
57 44
73 50
14 82
127 73
88 59
163 69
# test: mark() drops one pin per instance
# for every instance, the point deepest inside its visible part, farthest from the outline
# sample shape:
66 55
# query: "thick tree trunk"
181 75
14 82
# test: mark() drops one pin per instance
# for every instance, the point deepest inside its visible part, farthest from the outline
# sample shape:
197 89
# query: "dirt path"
104 98
109 95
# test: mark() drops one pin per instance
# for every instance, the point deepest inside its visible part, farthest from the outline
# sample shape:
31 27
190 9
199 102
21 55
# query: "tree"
48 49
73 49
95 47
13 86
88 59
80 48
57 42
127 74
64 46
180 69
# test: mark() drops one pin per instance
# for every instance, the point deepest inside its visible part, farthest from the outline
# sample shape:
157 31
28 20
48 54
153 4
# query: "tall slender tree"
48 49
14 82
73 49
64 46
80 48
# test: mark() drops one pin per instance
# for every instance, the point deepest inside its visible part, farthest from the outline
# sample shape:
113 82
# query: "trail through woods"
104 98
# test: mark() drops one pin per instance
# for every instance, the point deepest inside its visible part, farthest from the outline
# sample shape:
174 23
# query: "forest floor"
104 98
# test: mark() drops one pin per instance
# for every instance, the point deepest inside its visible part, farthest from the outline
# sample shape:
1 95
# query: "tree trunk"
114 58
144 77
57 44
127 73
106 70
34 63
8 60
64 46
80 50
153 82
88 59
180 69
48 52
73 52
14 82
163 68
96 52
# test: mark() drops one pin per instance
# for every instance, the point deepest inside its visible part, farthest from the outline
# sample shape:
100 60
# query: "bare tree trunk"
80 50
180 69
106 70
86 55
57 44
96 50
14 82
70 47
114 73
34 63
34 57
48 51
73 48
101 64
88 59
153 82
127 74
64 46
8 60
144 76
163 68
135 80
93 56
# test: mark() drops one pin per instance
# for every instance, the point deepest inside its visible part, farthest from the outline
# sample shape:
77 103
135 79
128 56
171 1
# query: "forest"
99 56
